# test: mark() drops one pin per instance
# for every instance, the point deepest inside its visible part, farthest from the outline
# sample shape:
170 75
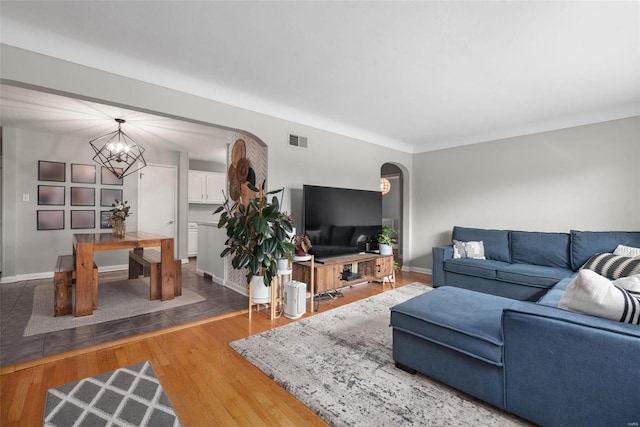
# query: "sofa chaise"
528 357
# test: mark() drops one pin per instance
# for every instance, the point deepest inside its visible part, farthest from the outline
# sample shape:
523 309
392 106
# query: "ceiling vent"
298 141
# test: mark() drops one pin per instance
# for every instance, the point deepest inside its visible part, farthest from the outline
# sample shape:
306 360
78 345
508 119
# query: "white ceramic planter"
260 293
283 264
385 249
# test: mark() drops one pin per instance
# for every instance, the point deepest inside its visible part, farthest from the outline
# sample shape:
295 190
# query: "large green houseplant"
256 233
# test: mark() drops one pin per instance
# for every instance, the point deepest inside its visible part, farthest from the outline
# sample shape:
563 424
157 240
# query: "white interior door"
158 200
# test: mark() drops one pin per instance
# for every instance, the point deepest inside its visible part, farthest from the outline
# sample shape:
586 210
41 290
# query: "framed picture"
108 178
83 219
51 195
83 196
85 174
50 220
51 171
104 219
109 196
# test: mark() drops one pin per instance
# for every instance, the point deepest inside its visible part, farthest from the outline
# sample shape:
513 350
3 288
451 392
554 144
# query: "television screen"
339 221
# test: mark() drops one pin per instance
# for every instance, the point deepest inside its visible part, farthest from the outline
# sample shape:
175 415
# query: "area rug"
130 396
339 363
117 299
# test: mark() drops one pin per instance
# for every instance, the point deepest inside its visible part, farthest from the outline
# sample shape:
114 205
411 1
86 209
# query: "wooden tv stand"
328 271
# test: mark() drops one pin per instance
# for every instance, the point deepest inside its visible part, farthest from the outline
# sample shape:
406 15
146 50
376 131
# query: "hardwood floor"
208 383
16 302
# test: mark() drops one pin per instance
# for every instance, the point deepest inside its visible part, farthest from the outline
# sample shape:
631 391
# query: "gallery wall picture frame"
105 219
83 219
108 178
83 174
51 171
83 196
50 220
108 196
51 195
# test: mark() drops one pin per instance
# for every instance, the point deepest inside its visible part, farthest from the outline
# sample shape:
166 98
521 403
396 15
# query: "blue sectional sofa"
521 265
530 358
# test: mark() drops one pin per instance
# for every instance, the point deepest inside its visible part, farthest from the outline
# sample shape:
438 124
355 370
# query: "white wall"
30 252
330 159
583 178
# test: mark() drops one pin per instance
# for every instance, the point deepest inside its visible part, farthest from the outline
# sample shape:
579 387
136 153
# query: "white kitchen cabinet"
206 187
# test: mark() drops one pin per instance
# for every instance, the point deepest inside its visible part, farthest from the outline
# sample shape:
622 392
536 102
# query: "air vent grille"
298 141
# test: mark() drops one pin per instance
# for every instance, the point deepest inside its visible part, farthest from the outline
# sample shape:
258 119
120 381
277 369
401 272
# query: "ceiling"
415 76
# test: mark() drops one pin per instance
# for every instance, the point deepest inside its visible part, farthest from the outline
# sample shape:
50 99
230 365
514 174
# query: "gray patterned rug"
117 299
130 396
339 363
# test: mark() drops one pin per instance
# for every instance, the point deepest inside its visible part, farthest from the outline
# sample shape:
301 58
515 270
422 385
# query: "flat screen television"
341 221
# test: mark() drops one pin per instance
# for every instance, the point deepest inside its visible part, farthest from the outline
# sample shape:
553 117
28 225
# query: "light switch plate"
25 197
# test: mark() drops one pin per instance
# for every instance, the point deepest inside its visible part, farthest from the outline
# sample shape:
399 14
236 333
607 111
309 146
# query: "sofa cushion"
341 235
593 294
553 296
473 267
532 275
466 321
549 249
613 266
585 244
496 242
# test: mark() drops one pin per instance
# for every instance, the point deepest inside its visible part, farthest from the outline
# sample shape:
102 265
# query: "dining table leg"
84 280
167 270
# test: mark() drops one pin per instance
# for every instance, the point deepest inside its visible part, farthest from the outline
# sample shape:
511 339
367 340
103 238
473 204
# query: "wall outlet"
25 197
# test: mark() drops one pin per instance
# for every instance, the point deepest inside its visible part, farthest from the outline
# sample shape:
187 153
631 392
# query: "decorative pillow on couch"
627 251
473 250
613 266
593 294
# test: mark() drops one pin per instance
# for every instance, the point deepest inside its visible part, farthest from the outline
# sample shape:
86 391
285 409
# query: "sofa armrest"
440 253
564 368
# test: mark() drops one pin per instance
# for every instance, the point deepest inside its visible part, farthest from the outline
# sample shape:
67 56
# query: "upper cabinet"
206 187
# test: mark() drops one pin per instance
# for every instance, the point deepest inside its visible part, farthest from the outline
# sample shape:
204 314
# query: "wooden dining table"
84 245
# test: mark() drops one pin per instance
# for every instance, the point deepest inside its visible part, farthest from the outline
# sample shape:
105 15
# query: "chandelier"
385 185
118 152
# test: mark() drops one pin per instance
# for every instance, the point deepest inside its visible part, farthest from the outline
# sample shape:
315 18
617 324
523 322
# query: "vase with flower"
119 213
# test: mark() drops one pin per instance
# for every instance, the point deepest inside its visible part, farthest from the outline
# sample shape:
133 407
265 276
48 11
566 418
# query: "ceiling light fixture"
385 185
119 153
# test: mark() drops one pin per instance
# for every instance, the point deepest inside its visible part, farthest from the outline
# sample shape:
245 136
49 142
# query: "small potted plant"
386 240
302 244
119 213
256 238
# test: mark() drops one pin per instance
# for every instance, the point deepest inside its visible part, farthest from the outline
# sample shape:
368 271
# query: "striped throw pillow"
612 266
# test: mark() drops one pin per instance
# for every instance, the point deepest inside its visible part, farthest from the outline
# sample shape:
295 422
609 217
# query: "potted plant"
386 240
302 244
256 238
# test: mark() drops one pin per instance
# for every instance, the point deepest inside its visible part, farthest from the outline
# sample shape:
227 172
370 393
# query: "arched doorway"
391 185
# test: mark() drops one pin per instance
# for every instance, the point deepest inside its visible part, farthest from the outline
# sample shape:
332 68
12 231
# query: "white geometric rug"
339 363
117 299
130 396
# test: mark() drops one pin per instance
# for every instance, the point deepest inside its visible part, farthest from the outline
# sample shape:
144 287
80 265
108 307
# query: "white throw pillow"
593 294
627 251
473 250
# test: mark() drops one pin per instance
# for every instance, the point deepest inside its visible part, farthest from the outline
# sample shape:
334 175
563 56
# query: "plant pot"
283 264
119 228
385 249
260 293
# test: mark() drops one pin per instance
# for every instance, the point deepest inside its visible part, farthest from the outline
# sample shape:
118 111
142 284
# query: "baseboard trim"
420 270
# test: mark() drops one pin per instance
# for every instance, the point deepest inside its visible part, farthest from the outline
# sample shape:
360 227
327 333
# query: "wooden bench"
64 276
147 264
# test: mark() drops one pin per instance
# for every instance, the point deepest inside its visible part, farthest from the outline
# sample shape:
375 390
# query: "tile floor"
16 301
